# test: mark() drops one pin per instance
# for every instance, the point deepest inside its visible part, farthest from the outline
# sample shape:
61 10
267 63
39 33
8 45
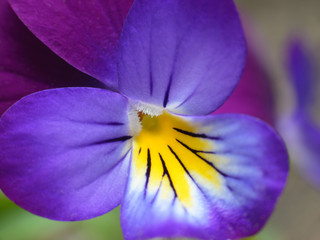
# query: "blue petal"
299 129
303 75
183 55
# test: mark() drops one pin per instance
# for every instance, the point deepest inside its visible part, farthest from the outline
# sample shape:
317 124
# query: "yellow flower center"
173 157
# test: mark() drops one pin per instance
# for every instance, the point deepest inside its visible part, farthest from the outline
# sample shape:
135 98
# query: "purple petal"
65 152
84 33
27 65
302 136
299 129
303 75
184 55
253 95
220 180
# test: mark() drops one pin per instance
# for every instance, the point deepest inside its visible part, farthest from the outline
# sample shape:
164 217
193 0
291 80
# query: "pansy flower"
298 126
76 153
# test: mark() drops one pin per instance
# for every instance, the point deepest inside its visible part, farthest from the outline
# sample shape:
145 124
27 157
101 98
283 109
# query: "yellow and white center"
172 158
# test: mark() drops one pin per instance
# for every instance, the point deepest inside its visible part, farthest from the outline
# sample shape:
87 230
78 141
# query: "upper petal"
184 55
65 152
27 65
84 33
215 177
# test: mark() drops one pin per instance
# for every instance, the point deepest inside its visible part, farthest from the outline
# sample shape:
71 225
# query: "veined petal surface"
65 152
27 65
215 177
84 33
184 55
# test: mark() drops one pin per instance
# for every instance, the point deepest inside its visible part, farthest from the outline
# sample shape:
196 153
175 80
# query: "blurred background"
276 23
297 216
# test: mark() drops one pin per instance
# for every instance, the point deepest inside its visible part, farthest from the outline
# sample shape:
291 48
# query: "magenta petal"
27 65
84 33
65 152
184 55
253 95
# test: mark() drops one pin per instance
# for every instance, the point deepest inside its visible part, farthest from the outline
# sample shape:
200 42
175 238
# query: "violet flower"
298 127
76 153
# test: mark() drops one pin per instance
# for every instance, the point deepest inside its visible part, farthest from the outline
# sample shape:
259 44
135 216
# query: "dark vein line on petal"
104 173
139 151
114 123
121 159
194 150
195 89
186 170
166 96
198 135
150 57
95 122
119 139
151 82
179 160
187 99
112 150
148 171
205 160
165 172
178 49
157 193
150 66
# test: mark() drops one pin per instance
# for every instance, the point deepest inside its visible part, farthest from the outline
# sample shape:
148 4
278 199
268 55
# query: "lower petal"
65 152
215 177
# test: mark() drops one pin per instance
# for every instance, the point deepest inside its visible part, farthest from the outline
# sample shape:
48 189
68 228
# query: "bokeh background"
297 216
277 22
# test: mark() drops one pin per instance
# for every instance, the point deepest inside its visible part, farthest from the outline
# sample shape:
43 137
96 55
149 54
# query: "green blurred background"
297 216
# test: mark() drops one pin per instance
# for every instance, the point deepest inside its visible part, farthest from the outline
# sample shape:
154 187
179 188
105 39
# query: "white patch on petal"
149 109
134 121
